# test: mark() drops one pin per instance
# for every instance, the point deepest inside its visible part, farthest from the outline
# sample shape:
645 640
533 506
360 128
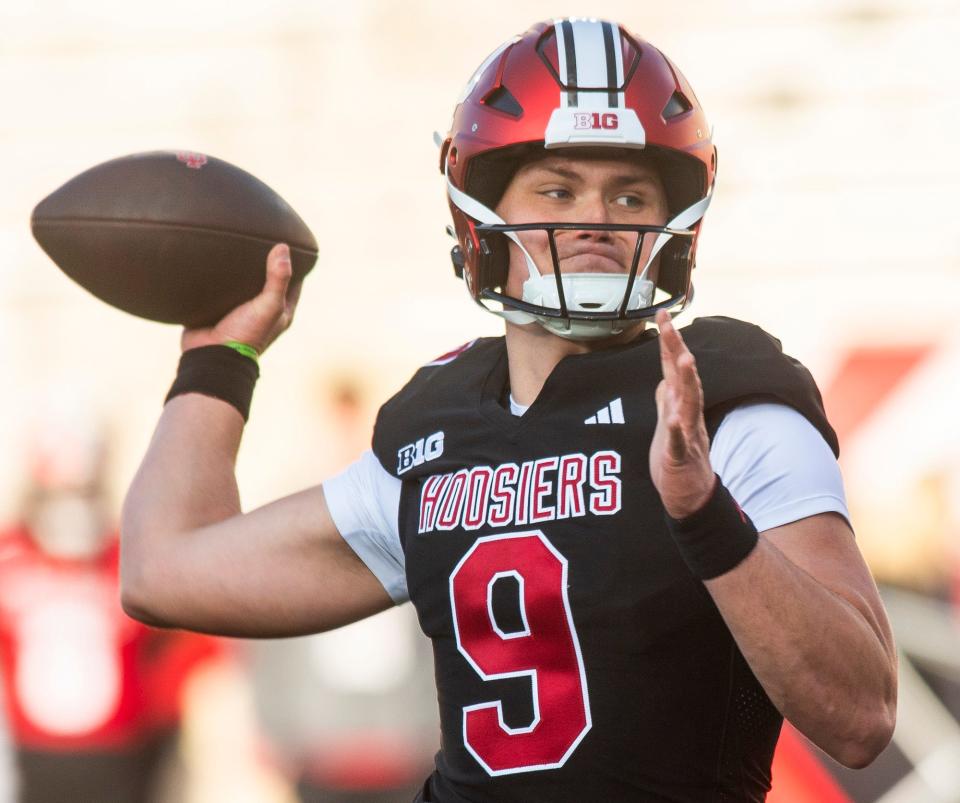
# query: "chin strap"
484 214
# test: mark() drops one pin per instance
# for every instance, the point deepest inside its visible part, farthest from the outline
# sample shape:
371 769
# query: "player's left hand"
680 452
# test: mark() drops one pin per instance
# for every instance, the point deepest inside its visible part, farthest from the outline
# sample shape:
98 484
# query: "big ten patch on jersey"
419 452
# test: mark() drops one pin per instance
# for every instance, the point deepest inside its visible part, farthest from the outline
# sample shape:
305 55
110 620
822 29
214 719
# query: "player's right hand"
262 319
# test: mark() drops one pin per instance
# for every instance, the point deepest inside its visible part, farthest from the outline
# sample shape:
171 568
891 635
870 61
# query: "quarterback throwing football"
629 547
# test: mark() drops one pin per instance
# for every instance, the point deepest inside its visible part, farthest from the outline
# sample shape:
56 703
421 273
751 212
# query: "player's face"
582 189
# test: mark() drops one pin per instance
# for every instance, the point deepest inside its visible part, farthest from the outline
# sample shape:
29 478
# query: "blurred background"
833 226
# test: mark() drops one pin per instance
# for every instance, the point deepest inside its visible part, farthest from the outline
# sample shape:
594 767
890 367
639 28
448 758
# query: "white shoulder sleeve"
364 502
777 465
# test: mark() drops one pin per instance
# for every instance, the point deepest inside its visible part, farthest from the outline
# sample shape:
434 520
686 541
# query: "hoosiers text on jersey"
556 487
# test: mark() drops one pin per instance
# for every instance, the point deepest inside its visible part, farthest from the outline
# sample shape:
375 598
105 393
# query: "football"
171 236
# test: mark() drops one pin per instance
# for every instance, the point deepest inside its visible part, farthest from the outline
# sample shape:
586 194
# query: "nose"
593 210
592 235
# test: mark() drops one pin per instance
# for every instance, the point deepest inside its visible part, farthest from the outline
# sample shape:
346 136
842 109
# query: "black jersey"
576 657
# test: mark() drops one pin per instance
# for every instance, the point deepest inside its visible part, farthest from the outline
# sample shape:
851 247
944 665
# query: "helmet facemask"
571 85
581 305
578 306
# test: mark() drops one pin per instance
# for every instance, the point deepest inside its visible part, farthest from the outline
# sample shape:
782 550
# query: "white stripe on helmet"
590 64
591 57
587 49
618 55
560 37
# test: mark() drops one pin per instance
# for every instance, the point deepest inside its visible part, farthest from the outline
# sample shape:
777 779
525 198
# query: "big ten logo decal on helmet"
594 120
419 452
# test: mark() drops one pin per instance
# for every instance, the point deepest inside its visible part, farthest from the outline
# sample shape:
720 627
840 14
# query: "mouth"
593 261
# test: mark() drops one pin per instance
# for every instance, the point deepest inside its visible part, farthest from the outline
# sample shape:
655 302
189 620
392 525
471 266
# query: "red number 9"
547 651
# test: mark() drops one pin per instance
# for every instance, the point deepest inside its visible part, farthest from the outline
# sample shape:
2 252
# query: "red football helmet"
576 82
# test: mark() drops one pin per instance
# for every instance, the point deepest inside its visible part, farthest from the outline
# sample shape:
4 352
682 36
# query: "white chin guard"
586 292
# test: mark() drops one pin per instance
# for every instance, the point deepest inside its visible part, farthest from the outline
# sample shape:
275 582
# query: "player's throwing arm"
190 557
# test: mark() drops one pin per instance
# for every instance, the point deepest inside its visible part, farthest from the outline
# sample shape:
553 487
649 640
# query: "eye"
559 193
630 201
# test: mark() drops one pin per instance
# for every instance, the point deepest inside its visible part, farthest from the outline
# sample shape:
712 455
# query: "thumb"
279 272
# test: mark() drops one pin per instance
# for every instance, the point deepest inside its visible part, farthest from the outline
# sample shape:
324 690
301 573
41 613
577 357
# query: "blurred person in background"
632 563
92 696
8 779
341 723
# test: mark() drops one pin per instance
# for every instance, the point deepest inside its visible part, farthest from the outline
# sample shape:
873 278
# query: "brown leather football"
172 236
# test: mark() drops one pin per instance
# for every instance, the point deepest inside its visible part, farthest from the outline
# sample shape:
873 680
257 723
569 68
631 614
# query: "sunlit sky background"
834 220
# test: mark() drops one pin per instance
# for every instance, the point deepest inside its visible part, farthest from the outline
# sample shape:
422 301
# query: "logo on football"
192 160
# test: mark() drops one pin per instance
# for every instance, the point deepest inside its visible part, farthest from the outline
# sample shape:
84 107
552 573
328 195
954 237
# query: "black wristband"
717 537
217 371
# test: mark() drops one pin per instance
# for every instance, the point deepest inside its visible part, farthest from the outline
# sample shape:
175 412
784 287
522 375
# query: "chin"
591 263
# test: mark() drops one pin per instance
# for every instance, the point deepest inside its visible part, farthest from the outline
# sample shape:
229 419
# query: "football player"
93 699
629 546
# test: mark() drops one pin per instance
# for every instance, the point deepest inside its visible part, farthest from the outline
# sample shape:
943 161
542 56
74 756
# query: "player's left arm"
802 605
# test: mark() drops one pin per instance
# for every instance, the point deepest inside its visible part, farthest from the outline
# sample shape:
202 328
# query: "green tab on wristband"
211 371
244 349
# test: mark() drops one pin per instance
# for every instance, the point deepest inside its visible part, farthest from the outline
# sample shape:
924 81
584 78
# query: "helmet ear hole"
494 261
675 267
456 257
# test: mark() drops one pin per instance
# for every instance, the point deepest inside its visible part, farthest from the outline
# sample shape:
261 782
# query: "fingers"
293 296
670 419
691 392
672 346
667 345
290 304
672 350
680 372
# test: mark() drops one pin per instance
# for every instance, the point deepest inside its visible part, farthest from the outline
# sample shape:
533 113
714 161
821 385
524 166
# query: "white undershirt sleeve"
364 502
777 465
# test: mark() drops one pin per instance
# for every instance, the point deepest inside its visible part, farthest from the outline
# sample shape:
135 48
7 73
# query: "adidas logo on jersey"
608 414
419 452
